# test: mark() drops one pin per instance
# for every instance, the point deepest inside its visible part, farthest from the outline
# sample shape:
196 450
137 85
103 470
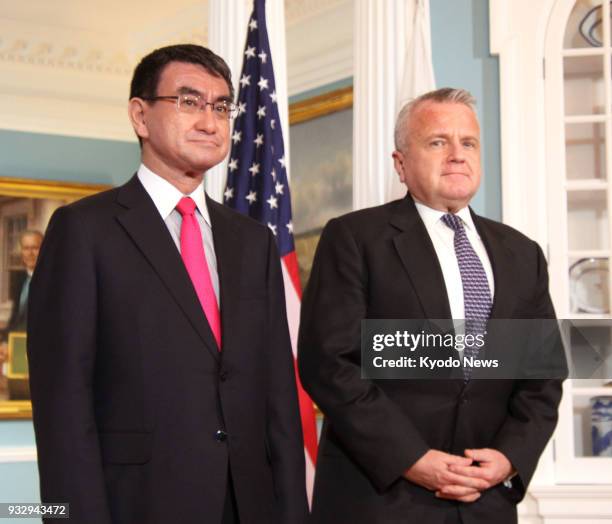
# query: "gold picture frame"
25 204
321 105
307 113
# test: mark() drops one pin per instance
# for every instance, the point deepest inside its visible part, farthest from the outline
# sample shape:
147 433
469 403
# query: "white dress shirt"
443 238
166 197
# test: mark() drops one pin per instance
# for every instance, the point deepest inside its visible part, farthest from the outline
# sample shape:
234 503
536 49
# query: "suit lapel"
228 249
503 262
144 225
419 258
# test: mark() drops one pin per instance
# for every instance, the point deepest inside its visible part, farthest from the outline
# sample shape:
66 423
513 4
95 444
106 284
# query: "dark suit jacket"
18 319
128 388
380 263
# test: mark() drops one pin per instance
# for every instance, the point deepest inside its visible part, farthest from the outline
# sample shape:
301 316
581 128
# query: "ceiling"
65 65
121 18
108 16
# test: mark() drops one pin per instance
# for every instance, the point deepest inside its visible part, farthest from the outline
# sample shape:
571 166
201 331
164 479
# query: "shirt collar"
432 216
165 196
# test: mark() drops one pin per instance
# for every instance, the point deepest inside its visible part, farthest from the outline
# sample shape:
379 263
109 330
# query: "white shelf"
592 184
575 206
587 316
588 253
584 51
592 392
585 119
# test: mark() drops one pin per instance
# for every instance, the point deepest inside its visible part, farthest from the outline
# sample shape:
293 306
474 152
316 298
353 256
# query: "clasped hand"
460 478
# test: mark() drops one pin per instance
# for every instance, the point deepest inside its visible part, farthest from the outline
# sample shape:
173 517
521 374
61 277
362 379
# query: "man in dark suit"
19 285
162 380
29 245
427 451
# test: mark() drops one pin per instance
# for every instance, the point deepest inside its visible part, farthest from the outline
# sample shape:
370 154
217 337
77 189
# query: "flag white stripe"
293 319
310 474
293 308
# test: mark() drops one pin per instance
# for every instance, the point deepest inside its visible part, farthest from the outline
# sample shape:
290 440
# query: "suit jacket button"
222 375
220 436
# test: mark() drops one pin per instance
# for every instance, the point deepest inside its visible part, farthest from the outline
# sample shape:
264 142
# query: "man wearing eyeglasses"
162 380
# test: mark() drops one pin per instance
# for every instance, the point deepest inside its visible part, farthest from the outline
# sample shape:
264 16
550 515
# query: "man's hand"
433 471
490 466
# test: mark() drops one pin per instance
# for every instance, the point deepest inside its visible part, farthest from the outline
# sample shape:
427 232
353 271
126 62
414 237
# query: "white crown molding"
57 48
18 454
47 54
322 69
53 46
49 46
316 61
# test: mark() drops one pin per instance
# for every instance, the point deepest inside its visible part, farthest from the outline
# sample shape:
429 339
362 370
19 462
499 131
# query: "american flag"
257 186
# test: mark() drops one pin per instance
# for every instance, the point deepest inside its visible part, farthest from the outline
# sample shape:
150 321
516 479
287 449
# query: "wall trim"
18 454
517 33
570 502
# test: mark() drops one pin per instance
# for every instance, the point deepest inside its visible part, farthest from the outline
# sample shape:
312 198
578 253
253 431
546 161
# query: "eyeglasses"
191 104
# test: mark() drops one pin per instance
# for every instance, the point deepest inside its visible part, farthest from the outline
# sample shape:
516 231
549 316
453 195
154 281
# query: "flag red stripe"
309 423
291 263
307 413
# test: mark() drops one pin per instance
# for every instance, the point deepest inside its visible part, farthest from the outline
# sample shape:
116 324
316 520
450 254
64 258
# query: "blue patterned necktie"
476 293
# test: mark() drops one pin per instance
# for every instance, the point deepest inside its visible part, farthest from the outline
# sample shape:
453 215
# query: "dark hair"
147 72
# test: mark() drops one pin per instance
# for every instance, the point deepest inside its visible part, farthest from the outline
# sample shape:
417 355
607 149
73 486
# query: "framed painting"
321 142
25 209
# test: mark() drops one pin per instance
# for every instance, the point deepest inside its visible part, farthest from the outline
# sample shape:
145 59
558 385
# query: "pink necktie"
194 257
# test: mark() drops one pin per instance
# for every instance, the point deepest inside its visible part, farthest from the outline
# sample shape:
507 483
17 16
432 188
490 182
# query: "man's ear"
136 112
398 162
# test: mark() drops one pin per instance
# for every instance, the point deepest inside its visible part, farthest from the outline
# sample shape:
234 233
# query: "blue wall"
18 480
460 47
31 155
460 40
